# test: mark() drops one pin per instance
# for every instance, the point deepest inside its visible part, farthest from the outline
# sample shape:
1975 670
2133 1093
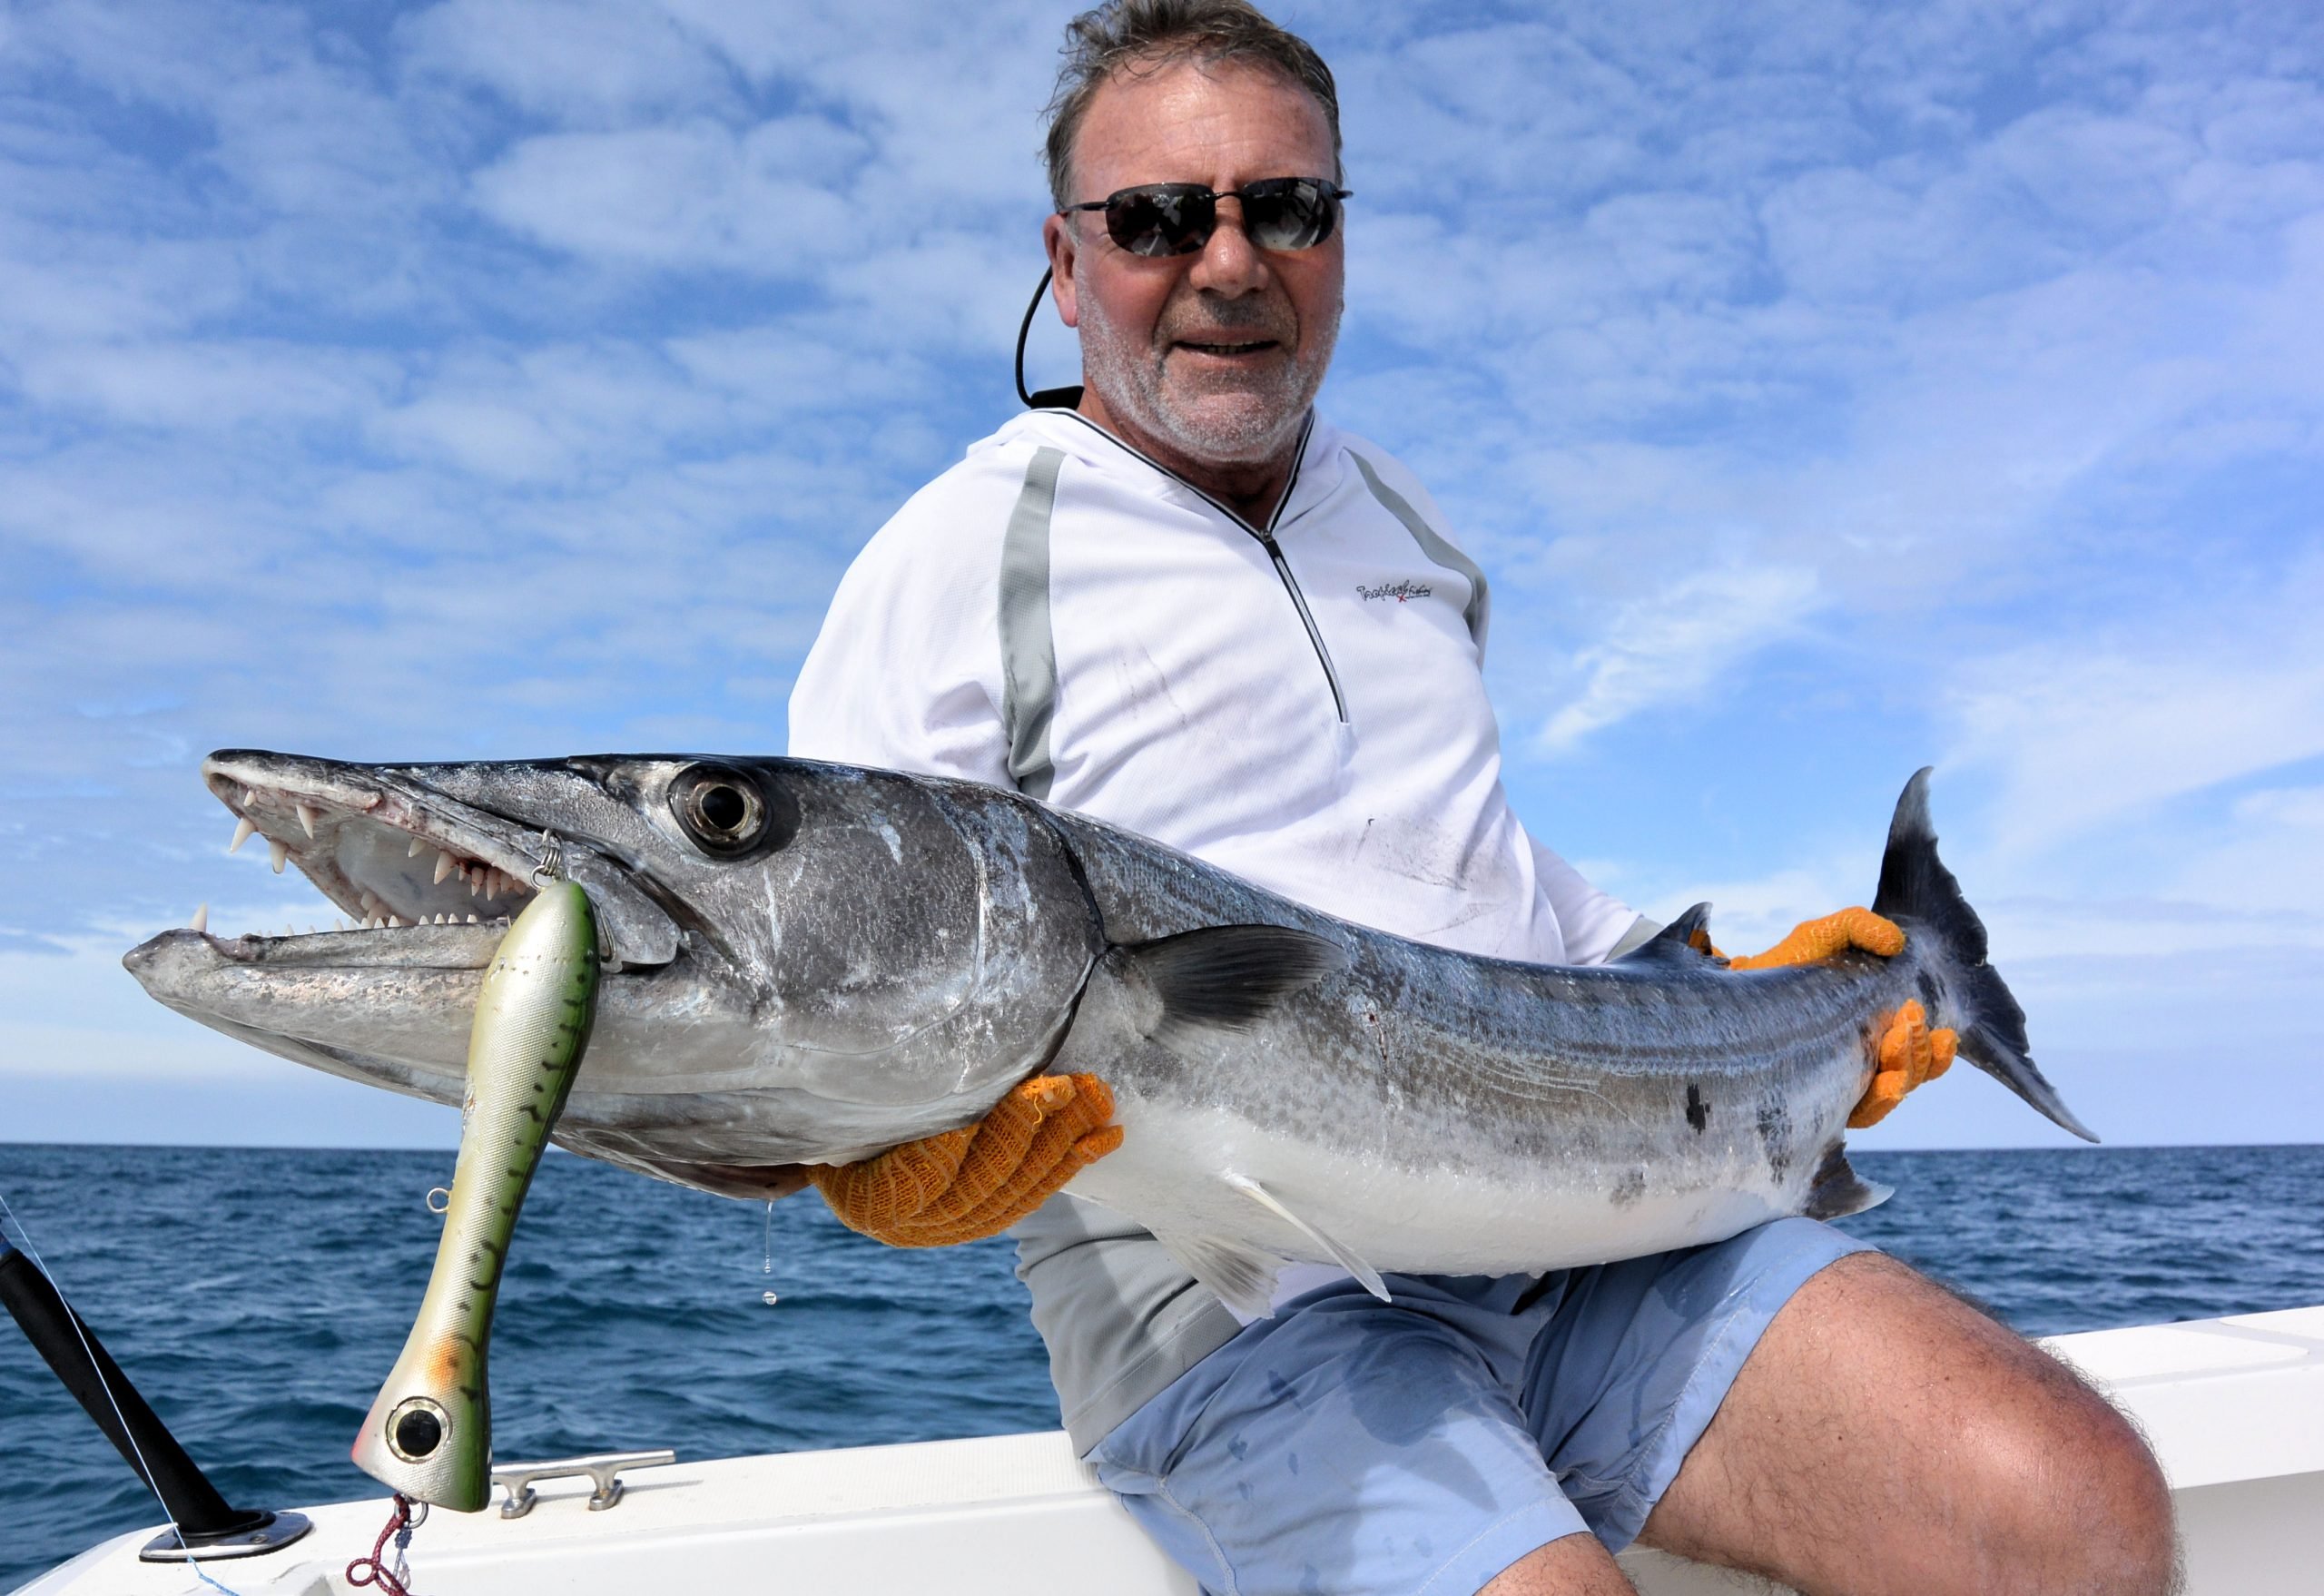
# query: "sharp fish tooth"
395 921
474 881
418 846
277 855
338 921
244 830
200 920
306 820
445 865
472 919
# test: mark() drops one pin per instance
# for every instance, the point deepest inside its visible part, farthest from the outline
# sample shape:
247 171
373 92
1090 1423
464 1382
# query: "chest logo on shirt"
1401 592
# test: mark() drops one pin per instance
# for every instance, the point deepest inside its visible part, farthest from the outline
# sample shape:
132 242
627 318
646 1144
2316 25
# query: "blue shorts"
1349 1445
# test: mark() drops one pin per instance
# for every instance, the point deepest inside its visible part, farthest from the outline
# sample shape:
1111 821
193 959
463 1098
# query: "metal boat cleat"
603 1467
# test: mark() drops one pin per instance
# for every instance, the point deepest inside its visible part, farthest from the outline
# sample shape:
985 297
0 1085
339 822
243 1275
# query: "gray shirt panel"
1122 1320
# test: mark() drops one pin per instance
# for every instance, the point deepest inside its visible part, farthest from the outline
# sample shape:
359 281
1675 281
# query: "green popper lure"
430 1432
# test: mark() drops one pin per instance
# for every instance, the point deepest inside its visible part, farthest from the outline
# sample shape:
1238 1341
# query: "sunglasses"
1179 218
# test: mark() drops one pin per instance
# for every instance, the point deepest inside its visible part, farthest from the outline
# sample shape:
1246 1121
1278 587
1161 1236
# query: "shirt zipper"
1265 538
1315 633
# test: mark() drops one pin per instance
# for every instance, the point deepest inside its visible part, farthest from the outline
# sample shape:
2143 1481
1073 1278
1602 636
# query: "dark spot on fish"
1774 1125
1628 1189
1698 1111
1929 993
1292 1460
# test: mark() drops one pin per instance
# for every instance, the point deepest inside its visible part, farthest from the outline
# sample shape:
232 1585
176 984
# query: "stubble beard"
1238 418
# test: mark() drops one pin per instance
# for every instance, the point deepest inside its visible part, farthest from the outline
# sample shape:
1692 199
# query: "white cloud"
1670 647
692 196
2088 731
577 63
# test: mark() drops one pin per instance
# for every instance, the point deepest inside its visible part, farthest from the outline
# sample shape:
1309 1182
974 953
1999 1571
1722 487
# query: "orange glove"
977 1181
1909 1052
1811 939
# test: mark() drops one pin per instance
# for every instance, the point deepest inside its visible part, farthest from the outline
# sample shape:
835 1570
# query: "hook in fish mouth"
387 855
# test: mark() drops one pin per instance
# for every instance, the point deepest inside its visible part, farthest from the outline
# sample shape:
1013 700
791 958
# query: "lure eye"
727 812
415 1429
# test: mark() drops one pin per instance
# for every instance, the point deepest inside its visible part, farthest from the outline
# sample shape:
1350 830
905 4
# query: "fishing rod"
204 1525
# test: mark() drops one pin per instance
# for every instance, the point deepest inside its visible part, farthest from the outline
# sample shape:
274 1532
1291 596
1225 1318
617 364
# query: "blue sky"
1829 389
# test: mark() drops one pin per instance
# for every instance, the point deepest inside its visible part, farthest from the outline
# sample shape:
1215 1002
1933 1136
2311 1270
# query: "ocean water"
258 1299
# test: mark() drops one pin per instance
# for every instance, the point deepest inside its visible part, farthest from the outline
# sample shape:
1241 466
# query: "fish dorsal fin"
1225 977
1241 1275
1838 1190
1676 943
1364 1273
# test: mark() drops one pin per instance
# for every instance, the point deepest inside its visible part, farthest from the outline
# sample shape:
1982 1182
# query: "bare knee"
1887 1437
2066 1485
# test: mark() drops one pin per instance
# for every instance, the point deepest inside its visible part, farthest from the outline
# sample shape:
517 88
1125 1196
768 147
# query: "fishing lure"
428 1434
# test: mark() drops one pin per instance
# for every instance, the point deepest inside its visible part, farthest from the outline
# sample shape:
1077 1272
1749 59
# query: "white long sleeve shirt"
1301 704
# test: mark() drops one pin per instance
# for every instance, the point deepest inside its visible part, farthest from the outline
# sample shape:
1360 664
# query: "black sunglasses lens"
1160 222
1290 213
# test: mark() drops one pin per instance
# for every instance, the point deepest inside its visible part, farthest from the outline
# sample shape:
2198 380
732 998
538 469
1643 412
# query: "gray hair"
1143 36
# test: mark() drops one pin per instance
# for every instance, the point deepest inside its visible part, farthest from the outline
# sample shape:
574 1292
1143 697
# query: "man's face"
1213 356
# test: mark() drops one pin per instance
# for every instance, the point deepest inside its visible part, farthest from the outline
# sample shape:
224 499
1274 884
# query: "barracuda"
807 963
429 1432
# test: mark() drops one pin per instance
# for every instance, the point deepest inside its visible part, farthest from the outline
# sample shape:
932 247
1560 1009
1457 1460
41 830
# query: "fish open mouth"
389 856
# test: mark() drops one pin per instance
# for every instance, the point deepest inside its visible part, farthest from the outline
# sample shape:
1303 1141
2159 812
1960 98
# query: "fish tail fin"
1917 889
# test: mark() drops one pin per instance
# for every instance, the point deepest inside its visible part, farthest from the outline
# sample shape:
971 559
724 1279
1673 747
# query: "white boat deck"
2234 1407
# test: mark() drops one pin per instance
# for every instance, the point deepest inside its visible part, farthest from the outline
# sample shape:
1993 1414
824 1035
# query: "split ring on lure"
430 1432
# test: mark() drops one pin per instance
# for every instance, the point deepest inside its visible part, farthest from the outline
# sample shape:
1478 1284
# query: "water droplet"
768 1298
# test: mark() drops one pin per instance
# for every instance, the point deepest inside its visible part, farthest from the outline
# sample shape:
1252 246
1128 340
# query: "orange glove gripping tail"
967 1183
1911 1055
1910 1052
1822 939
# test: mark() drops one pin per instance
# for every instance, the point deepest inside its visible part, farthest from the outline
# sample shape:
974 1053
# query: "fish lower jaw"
387 861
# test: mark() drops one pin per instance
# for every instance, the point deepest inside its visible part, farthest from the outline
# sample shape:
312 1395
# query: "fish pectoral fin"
1242 1276
1685 941
1224 976
1346 1259
1838 1190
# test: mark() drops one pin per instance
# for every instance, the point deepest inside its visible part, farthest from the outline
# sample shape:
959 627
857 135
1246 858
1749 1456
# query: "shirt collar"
1072 430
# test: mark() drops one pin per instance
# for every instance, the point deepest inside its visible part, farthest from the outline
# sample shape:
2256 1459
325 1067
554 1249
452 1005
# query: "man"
1189 606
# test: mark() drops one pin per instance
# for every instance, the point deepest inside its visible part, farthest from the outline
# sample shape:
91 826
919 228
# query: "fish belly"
1170 1176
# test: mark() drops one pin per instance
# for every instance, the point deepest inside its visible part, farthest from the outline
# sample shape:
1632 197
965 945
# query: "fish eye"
726 813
